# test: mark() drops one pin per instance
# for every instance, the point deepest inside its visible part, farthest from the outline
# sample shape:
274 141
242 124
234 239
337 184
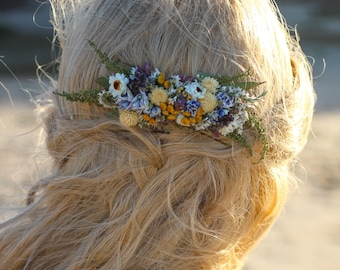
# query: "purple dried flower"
139 79
180 103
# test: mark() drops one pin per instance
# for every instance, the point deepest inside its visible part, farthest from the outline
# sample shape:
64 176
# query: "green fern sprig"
262 135
90 96
113 65
241 140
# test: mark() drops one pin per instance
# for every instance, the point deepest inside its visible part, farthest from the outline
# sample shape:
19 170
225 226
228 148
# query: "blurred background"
306 236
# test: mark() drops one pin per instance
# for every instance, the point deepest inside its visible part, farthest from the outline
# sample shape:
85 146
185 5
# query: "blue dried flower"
140 103
124 101
226 100
192 107
155 111
222 112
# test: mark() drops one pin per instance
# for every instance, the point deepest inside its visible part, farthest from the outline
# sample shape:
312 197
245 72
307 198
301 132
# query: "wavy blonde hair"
129 198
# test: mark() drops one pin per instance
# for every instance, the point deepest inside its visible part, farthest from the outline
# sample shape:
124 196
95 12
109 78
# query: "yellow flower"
152 121
163 106
171 117
146 117
199 111
208 103
158 95
187 114
167 84
171 109
161 78
128 118
182 120
198 118
210 84
165 112
192 120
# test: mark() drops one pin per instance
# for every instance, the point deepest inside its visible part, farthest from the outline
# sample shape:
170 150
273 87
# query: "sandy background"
307 234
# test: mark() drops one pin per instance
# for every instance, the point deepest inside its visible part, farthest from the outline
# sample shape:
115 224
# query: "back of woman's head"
131 198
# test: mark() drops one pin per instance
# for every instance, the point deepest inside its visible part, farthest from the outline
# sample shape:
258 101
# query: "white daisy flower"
195 90
118 84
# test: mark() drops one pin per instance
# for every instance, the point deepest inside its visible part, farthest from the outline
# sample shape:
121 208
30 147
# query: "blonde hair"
129 198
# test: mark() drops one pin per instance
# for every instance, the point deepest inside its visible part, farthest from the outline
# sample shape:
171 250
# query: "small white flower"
176 80
203 125
236 91
133 72
236 124
118 84
171 91
227 129
154 75
172 100
196 90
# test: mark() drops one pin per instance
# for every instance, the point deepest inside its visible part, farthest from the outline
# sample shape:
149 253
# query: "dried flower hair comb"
143 97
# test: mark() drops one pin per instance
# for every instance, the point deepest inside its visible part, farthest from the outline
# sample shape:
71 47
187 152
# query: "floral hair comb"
140 96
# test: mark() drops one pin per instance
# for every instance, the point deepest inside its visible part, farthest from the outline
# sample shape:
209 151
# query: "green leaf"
103 82
247 85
